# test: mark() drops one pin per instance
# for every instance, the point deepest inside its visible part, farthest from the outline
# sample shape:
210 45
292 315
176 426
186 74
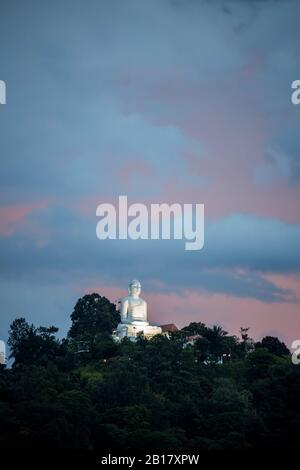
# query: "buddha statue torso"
133 309
133 312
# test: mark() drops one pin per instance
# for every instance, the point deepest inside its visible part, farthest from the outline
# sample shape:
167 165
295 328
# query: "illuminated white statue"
133 311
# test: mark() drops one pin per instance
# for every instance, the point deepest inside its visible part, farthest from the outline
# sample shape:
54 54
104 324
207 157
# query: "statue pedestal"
132 330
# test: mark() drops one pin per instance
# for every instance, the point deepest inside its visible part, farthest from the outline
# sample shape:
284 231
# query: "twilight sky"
163 101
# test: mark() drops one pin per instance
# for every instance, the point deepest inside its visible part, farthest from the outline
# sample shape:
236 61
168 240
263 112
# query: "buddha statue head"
134 288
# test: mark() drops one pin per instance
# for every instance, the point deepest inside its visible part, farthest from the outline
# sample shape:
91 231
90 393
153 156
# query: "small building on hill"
192 339
168 328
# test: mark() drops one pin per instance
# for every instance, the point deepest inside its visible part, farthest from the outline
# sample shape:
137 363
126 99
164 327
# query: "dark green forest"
165 394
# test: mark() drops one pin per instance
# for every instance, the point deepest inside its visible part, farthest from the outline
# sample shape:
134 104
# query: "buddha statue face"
134 288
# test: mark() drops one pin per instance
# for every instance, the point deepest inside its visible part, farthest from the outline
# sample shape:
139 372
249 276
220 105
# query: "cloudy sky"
163 101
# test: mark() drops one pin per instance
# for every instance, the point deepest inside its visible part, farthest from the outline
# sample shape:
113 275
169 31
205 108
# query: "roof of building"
169 327
193 337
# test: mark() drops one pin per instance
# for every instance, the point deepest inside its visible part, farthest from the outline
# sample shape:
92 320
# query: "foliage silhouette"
166 394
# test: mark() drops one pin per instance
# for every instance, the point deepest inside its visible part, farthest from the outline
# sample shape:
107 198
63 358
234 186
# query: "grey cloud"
282 160
90 88
239 250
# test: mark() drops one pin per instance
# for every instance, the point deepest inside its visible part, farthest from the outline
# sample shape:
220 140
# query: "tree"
29 344
216 336
259 362
274 346
194 328
149 394
92 317
202 349
247 344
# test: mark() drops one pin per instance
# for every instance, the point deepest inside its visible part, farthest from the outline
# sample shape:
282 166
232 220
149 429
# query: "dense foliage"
170 393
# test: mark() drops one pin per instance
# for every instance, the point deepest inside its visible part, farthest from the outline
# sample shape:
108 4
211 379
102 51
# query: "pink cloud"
253 66
233 147
131 168
13 217
230 119
278 319
230 312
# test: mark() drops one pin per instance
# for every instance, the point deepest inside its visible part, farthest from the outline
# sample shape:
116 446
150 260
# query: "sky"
162 101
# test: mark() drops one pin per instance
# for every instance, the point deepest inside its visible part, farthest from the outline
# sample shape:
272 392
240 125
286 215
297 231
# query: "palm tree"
215 336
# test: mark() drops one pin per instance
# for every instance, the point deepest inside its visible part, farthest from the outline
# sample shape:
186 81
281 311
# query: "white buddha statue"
133 311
